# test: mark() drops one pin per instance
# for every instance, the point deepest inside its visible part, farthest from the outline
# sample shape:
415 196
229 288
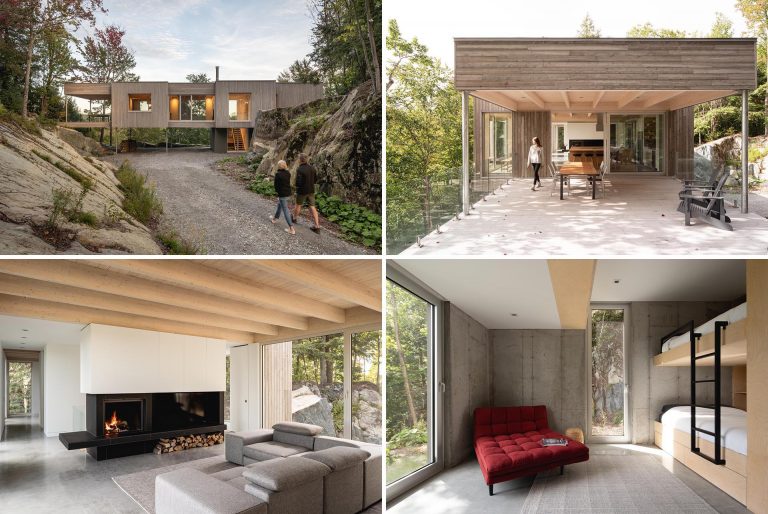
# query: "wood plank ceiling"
236 300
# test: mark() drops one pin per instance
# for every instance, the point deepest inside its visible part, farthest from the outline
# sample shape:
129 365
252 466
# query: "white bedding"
731 316
733 425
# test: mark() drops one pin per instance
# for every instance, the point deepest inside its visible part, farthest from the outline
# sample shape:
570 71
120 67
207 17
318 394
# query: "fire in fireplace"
123 415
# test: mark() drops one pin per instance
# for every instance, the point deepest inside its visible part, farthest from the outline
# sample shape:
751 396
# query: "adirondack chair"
705 203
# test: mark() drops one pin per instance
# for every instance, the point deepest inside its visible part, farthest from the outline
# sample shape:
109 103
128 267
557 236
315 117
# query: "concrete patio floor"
638 216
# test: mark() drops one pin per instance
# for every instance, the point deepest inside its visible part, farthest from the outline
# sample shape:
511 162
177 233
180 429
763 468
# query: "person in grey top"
535 160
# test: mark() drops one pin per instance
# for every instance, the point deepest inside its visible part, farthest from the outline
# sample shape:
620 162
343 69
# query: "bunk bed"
709 439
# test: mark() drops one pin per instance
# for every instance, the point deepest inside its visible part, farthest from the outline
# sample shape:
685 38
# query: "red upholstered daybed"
507 444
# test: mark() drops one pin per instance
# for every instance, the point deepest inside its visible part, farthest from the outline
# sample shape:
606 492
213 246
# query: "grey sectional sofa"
288 469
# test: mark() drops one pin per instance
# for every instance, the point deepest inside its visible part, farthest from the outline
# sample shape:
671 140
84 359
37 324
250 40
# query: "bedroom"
584 340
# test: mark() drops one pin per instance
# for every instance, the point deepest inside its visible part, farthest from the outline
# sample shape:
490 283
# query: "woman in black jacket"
284 193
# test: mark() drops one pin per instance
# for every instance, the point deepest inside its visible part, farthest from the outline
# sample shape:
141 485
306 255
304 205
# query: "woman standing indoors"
535 159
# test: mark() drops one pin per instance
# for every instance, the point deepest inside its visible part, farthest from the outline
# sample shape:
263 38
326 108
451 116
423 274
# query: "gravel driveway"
204 205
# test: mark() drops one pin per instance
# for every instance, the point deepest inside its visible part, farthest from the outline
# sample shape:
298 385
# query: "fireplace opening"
122 416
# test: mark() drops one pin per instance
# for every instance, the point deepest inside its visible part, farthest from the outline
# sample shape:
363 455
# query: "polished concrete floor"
638 215
462 489
38 475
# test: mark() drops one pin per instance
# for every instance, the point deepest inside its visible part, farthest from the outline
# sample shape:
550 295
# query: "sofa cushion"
283 474
305 441
190 490
271 450
338 458
293 427
490 421
500 455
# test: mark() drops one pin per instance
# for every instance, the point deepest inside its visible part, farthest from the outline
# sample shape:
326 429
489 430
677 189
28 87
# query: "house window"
190 107
239 106
140 102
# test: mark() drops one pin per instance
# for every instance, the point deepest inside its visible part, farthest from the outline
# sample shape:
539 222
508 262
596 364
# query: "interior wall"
468 380
3 399
64 404
542 367
574 130
245 387
36 393
651 386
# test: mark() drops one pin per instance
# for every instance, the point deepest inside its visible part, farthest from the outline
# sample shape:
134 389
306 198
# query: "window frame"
131 97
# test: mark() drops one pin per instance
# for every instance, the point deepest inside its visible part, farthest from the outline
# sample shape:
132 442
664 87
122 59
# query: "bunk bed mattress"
733 424
731 316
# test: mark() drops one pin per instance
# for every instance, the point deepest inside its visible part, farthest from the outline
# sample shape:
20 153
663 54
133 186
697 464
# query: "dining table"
578 169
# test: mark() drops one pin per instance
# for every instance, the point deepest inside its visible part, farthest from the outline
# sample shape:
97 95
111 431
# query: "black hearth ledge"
84 439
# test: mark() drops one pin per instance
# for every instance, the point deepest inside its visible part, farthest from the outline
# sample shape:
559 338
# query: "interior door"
238 387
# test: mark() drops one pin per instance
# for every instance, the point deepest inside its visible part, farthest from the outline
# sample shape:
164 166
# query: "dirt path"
204 205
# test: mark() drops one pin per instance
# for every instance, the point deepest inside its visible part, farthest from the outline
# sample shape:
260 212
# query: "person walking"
535 159
305 190
283 190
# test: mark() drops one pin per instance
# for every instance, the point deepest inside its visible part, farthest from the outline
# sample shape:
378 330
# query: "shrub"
86 218
263 185
357 223
43 156
177 245
413 436
757 154
73 173
63 202
26 124
140 200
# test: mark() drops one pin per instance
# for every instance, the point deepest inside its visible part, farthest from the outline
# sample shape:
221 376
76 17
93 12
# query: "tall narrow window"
410 341
367 371
19 388
608 392
239 106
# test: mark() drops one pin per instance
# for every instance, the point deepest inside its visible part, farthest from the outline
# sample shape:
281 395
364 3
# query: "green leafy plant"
357 223
263 185
141 199
413 436
86 218
176 245
63 201
84 181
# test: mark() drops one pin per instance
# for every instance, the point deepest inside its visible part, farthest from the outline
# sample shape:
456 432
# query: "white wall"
581 131
2 392
126 360
64 404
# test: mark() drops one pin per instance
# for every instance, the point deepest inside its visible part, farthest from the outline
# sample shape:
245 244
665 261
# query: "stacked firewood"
177 444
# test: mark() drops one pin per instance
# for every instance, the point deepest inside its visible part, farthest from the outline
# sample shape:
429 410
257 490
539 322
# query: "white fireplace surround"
116 360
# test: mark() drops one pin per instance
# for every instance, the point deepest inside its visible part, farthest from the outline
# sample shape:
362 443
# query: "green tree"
423 135
55 63
198 78
587 28
722 27
647 30
755 12
19 387
302 72
403 51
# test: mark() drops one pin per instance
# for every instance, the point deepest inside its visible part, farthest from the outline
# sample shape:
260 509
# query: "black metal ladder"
719 328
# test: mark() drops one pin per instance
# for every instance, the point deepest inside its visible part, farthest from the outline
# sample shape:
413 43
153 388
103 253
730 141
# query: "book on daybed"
554 442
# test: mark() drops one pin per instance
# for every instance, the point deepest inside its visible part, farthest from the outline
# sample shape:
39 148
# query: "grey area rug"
613 483
141 486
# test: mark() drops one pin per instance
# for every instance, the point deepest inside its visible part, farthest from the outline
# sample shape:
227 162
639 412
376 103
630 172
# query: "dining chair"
556 180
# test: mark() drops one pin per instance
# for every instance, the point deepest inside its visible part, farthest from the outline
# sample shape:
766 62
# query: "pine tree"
587 28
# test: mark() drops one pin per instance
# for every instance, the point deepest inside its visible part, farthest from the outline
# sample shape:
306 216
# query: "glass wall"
410 341
191 107
239 106
637 142
318 383
19 388
140 102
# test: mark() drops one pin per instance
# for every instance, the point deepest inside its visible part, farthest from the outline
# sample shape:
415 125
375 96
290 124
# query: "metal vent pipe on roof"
217 73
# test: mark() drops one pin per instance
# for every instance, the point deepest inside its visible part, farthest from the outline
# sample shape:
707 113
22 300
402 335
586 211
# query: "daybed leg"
562 469
490 490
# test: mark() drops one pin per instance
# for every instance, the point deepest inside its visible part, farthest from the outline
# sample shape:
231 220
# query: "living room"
142 378
553 384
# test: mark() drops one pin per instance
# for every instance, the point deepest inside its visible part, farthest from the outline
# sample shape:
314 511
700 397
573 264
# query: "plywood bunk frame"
724 468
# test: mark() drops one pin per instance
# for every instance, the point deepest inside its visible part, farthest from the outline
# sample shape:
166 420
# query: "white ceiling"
33 334
669 280
490 290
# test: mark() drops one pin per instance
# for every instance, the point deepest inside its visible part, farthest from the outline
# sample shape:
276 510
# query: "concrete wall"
468 381
64 405
542 367
651 386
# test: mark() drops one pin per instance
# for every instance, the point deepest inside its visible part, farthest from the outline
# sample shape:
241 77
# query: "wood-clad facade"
533 81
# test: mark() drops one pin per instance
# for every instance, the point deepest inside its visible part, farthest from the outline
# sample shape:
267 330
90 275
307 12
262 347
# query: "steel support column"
465 152
745 151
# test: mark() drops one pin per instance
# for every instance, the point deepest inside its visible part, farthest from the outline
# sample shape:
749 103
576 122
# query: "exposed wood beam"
40 290
572 282
356 316
22 355
499 98
75 274
535 98
566 99
312 274
41 309
194 275
598 97
628 97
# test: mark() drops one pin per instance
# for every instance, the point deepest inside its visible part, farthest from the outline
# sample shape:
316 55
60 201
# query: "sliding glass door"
609 390
637 142
411 429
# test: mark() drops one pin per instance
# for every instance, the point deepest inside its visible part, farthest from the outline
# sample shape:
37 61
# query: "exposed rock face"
84 145
342 138
710 158
366 409
308 407
30 172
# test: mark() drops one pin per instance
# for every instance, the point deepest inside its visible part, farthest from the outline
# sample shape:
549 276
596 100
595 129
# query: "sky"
435 24
248 39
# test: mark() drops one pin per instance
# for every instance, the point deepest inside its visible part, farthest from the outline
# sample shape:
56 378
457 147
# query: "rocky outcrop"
84 145
711 158
38 167
310 408
342 138
366 408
